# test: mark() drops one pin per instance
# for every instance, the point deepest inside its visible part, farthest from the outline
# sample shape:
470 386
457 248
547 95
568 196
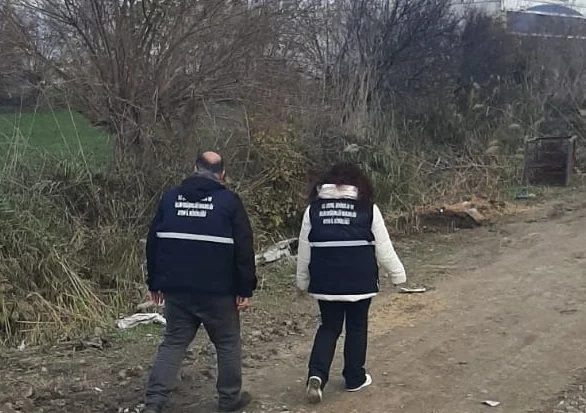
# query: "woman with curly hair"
342 244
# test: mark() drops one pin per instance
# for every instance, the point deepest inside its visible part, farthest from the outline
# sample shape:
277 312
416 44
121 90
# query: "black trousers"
333 314
185 314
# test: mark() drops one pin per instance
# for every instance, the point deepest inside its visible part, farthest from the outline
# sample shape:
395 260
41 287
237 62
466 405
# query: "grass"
61 134
70 259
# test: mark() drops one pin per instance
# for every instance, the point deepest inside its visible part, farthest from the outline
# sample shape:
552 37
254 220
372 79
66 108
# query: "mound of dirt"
468 214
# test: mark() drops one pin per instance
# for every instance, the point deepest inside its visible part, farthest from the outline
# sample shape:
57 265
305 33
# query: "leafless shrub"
143 68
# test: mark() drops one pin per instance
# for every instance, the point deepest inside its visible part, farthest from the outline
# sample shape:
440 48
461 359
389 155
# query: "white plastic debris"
352 148
412 290
140 318
491 403
282 249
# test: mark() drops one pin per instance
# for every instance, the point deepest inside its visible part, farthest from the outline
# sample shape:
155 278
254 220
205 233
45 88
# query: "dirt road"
506 321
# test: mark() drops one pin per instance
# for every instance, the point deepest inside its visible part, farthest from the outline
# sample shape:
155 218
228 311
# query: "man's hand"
157 297
242 303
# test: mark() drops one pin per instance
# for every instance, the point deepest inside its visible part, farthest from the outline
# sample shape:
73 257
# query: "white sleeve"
385 252
304 253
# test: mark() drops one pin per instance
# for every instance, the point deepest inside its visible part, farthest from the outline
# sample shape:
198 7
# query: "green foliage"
61 134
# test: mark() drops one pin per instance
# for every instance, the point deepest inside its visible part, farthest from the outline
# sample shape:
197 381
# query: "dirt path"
512 330
506 321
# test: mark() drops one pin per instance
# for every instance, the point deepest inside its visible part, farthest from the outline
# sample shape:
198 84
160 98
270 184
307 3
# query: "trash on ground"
278 251
404 290
491 403
352 148
140 318
524 196
468 214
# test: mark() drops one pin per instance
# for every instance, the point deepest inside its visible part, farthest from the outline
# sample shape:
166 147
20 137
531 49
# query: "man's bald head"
210 162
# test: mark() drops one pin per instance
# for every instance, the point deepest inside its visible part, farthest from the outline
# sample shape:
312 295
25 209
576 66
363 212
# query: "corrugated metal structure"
525 5
496 6
545 18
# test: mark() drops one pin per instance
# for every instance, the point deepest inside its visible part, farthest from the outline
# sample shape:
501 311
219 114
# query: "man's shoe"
366 383
314 392
245 399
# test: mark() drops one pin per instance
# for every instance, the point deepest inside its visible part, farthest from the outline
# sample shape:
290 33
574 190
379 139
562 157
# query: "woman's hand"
242 303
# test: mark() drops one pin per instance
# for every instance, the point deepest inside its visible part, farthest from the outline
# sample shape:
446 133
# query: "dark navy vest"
195 248
343 260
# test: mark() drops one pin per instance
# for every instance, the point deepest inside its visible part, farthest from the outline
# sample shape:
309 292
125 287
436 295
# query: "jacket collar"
332 191
207 175
198 186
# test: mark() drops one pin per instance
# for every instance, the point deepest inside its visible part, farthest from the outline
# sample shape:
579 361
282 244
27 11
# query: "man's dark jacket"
200 241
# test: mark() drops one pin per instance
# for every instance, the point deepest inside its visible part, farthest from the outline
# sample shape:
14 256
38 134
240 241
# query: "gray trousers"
185 314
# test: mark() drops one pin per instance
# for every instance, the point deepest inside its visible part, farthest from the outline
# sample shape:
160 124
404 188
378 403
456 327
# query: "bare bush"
20 73
379 53
142 68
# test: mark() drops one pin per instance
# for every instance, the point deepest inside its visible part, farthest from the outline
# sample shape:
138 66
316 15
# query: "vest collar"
332 191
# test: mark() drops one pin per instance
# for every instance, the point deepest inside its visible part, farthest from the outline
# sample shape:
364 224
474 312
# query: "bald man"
200 260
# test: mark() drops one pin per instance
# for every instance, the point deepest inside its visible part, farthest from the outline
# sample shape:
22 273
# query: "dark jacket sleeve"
151 250
246 280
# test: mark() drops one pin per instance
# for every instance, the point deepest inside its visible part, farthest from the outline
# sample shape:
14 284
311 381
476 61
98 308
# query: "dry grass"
72 259
61 273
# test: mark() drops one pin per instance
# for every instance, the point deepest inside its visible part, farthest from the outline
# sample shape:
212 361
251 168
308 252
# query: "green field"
61 134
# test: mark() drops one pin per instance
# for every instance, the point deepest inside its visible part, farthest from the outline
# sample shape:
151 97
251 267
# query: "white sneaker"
314 392
366 383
